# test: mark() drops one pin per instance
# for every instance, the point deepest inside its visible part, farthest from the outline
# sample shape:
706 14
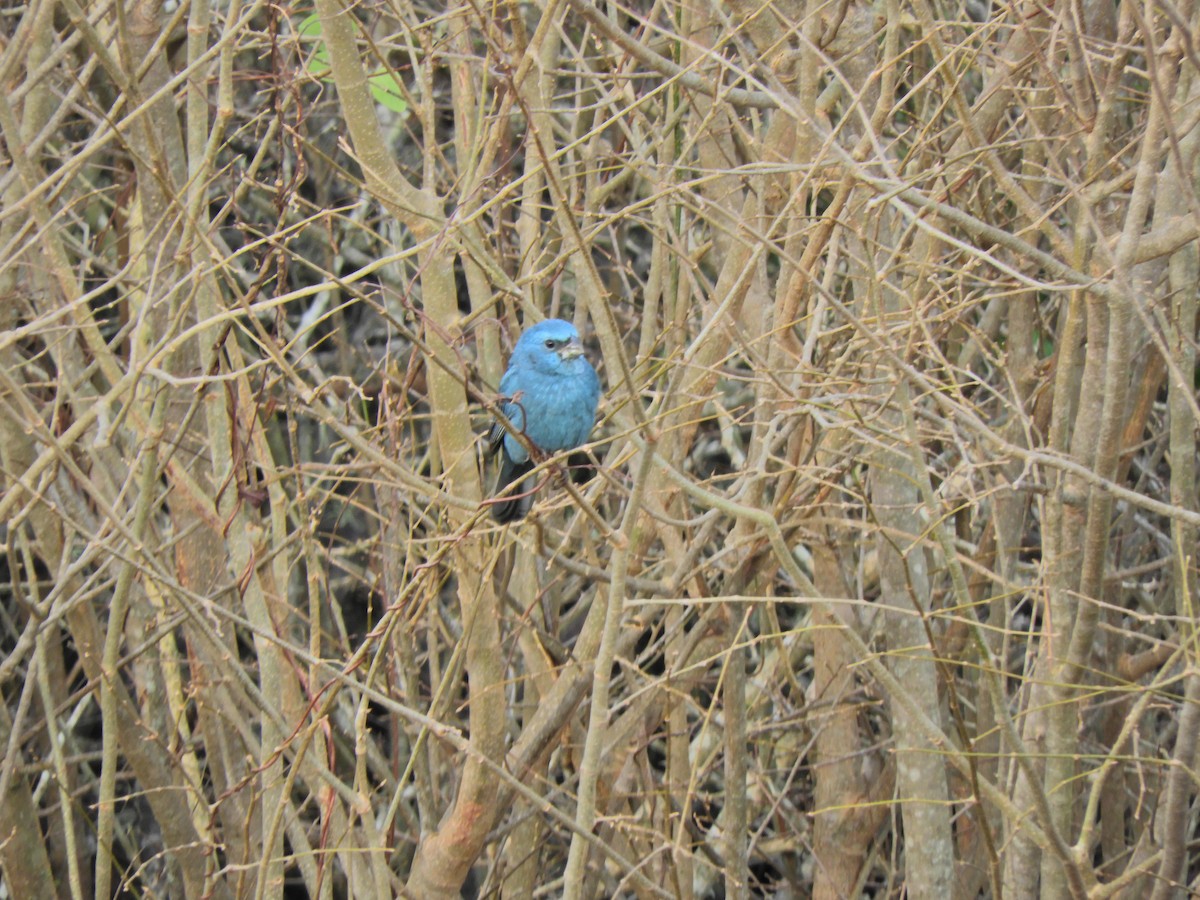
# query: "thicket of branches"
884 585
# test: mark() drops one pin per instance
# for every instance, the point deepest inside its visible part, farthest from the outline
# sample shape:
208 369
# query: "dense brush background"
884 583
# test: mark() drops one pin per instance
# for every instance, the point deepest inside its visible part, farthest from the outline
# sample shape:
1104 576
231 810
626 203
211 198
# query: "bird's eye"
551 344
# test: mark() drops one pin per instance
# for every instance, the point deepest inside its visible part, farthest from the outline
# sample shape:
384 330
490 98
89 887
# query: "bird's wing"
495 439
509 387
514 501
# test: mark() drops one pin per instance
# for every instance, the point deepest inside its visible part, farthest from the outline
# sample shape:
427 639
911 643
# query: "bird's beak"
573 350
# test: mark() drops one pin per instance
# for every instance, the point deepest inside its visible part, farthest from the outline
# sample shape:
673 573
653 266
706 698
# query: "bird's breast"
560 412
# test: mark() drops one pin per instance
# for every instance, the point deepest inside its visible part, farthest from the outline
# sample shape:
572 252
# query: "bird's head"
552 347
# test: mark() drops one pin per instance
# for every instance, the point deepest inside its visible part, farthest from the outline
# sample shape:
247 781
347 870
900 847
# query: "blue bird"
551 393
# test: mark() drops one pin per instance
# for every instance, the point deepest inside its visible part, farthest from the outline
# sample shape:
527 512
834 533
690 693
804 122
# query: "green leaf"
383 87
318 66
387 93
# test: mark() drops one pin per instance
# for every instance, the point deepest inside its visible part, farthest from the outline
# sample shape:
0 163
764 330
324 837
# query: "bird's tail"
513 506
